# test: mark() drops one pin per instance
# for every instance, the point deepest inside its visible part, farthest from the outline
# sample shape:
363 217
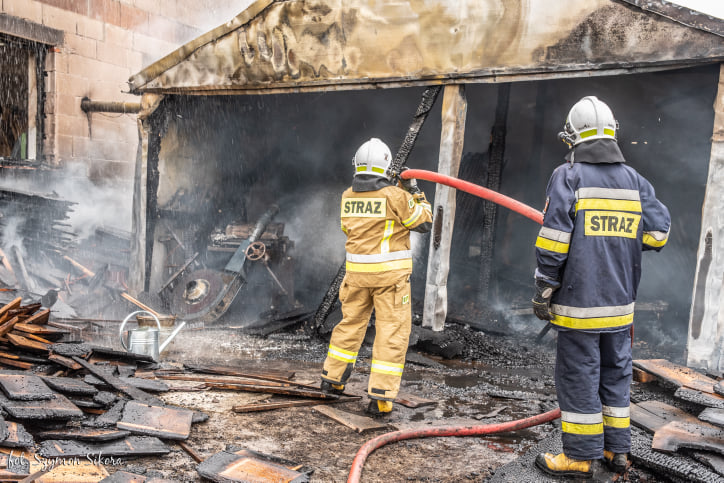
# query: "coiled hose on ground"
487 429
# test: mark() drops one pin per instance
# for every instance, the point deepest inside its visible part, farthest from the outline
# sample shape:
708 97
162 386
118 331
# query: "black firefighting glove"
409 185
542 300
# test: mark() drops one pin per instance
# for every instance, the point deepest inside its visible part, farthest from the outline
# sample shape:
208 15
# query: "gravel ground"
496 379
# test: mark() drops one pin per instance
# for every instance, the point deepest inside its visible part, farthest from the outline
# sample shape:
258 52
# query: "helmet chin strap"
566 138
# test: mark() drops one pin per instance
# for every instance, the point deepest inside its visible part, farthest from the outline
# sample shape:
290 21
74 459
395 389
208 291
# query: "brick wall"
105 42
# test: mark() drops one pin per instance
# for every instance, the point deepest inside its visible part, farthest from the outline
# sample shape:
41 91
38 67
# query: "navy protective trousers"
593 381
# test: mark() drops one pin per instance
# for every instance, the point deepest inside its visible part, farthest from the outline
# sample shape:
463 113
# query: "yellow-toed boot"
562 465
617 462
379 408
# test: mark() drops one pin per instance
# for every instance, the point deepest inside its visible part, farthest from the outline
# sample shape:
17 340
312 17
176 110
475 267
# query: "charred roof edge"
179 55
681 14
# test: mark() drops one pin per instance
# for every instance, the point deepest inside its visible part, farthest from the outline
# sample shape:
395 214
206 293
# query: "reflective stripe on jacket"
600 215
378 224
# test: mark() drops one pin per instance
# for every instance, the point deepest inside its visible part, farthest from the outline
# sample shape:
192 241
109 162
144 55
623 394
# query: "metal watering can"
145 340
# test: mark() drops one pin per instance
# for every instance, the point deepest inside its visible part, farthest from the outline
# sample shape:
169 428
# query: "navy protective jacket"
600 214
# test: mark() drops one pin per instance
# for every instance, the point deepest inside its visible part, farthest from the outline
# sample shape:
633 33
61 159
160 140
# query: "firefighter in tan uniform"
377 217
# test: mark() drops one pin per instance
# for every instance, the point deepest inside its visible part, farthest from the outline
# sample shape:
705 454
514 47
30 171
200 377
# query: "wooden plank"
14 304
125 477
15 363
192 452
130 446
32 337
118 384
454 112
682 434
70 385
227 380
676 375
414 401
713 416
82 472
39 318
653 415
643 376
164 422
287 391
25 343
269 374
64 361
17 436
700 398
361 424
57 408
8 326
140 305
107 418
36 329
268 406
226 466
85 434
25 387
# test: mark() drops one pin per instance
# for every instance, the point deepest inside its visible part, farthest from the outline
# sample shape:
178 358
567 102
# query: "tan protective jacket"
378 224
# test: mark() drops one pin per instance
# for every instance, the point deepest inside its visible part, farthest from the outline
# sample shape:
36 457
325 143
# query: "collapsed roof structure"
286 88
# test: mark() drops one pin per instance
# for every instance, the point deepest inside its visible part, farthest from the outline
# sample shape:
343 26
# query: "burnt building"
269 108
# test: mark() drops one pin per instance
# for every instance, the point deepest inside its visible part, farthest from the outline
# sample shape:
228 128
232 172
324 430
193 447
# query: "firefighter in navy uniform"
377 217
600 215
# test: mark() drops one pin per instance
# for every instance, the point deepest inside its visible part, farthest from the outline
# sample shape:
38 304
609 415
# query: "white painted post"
705 345
454 110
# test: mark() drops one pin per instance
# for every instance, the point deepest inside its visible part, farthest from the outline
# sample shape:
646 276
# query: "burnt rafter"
294 46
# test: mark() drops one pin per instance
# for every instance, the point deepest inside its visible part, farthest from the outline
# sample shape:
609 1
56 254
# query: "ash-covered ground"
495 378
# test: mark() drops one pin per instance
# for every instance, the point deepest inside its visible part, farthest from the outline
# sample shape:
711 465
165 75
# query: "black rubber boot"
379 409
329 388
616 462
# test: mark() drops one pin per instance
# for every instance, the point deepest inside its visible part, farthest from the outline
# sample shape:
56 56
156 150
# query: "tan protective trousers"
393 320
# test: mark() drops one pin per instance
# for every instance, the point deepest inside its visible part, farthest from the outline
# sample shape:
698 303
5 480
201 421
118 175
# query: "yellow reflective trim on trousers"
343 228
575 428
653 242
606 204
613 422
413 218
341 354
389 229
593 322
380 267
551 245
391 368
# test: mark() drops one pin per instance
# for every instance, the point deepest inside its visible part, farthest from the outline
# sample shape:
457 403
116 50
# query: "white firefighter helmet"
373 157
589 119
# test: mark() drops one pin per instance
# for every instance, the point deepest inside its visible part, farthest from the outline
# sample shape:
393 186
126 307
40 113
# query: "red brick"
118 36
71 85
134 61
72 125
153 47
112 54
111 170
77 6
134 19
64 147
95 70
83 46
107 11
87 27
26 9
66 104
59 19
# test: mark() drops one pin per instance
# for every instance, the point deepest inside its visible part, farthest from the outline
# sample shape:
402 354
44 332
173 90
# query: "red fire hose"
476 190
371 445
